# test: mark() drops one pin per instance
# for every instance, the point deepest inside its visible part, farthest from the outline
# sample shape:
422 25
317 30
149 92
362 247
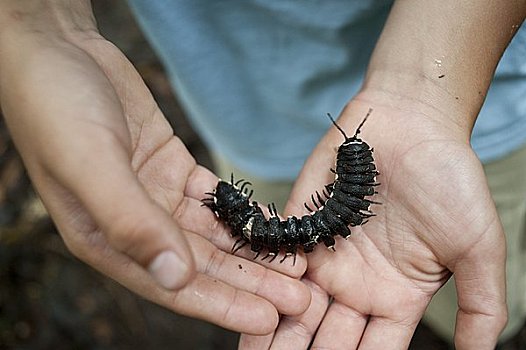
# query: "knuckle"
299 328
130 233
85 246
215 262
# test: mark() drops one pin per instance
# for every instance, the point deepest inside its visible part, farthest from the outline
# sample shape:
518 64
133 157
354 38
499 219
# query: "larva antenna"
363 122
338 127
358 130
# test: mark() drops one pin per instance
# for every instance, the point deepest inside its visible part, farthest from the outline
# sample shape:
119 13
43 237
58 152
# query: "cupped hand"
436 218
123 191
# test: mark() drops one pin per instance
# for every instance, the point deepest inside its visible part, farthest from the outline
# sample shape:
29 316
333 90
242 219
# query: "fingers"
204 297
220 292
341 325
249 342
383 333
256 287
259 286
293 332
297 332
480 281
290 296
217 302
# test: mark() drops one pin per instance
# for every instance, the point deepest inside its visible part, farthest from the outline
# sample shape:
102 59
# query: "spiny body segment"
340 205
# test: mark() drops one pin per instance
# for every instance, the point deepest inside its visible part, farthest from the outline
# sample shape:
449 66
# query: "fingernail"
168 269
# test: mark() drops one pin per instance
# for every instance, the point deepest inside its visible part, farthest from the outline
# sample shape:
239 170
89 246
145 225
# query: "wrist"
421 92
440 57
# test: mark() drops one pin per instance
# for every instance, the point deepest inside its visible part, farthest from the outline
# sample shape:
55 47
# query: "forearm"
66 19
442 55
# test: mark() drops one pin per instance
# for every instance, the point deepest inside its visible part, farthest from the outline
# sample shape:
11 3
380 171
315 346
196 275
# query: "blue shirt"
256 77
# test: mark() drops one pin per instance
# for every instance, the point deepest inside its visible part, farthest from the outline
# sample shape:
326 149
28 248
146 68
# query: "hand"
122 190
436 218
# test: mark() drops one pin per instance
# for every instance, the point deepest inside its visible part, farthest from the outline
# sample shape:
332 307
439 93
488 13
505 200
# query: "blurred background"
51 300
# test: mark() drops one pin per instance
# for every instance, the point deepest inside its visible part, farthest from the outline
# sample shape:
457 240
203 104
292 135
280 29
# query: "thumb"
132 223
480 279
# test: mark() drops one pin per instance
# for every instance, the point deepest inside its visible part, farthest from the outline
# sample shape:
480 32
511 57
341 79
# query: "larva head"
353 143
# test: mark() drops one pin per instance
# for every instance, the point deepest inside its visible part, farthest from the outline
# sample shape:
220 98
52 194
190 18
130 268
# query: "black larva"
340 205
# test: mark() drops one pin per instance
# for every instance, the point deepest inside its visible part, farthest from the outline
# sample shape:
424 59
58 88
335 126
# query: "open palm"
122 188
436 217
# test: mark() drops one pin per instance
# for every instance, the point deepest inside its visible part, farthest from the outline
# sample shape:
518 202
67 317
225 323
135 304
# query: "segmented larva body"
341 204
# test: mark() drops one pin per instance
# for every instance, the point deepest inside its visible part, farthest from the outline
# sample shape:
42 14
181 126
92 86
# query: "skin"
437 216
121 188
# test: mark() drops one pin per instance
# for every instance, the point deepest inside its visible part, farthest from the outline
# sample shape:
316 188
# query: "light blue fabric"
501 125
257 77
